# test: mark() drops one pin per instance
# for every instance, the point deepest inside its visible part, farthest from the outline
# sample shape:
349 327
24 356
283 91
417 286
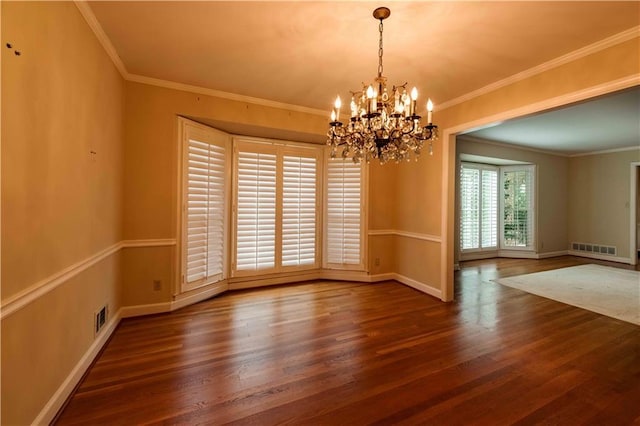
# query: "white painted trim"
382 277
552 254
475 139
518 254
514 254
346 275
253 282
44 286
546 104
57 400
380 232
600 256
466 256
92 21
607 151
633 202
407 234
198 295
420 286
224 95
546 66
149 309
164 242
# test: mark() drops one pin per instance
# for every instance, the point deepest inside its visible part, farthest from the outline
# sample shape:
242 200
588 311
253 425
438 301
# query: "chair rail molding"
21 299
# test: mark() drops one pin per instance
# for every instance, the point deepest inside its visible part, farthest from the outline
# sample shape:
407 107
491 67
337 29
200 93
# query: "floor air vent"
594 248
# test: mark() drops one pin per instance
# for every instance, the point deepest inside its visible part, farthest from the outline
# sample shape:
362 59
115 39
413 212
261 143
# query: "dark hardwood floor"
348 353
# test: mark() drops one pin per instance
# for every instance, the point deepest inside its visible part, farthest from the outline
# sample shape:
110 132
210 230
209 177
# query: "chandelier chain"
380 51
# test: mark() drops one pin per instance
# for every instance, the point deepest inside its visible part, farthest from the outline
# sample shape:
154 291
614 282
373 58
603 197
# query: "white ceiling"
303 53
608 122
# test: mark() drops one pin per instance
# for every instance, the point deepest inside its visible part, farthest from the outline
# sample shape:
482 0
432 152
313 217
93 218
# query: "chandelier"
384 124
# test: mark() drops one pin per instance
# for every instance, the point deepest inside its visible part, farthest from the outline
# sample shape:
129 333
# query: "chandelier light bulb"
414 94
429 111
369 92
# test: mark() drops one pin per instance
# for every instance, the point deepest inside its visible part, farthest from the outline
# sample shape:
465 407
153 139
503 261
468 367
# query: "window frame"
532 215
186 129
480 167
364 225
279 149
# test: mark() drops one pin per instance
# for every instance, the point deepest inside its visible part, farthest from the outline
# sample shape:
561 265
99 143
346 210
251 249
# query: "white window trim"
533 214
364 223
480 166
185 128
279 148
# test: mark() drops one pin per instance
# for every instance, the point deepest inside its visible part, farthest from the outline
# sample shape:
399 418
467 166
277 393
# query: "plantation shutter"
204 195
299 179
344 206
469 207
518 208
256 211
489 202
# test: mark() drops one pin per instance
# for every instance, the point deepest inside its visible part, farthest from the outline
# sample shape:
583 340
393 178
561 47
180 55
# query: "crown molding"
510 145
606 151
92 21
224 95
613 40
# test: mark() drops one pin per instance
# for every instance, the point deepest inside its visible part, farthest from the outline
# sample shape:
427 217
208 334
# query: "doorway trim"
449 162
633 221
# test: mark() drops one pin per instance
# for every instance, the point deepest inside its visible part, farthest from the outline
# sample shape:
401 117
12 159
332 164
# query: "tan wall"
382 199
551 191
61 99
599 197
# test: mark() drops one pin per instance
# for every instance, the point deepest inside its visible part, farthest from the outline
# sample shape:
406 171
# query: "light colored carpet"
609 291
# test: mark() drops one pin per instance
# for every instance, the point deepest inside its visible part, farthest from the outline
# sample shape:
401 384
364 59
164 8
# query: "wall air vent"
100 319
594 249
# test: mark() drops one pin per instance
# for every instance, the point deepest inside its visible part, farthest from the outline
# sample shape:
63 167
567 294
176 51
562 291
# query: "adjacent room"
320 212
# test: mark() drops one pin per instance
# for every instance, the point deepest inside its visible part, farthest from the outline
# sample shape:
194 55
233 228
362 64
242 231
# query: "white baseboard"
51 408
425 288
626 260
518 254
243 283
150 309
198 295
382 277
552 254
478 255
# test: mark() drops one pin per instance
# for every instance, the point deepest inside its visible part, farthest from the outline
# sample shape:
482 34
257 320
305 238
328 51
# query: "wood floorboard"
349 353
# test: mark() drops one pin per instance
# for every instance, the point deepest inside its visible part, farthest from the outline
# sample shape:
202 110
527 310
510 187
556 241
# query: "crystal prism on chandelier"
384 124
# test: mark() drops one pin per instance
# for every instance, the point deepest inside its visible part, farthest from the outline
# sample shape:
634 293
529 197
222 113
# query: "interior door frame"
633 221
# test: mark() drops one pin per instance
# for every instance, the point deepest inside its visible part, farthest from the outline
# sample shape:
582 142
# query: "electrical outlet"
377 261
157 285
